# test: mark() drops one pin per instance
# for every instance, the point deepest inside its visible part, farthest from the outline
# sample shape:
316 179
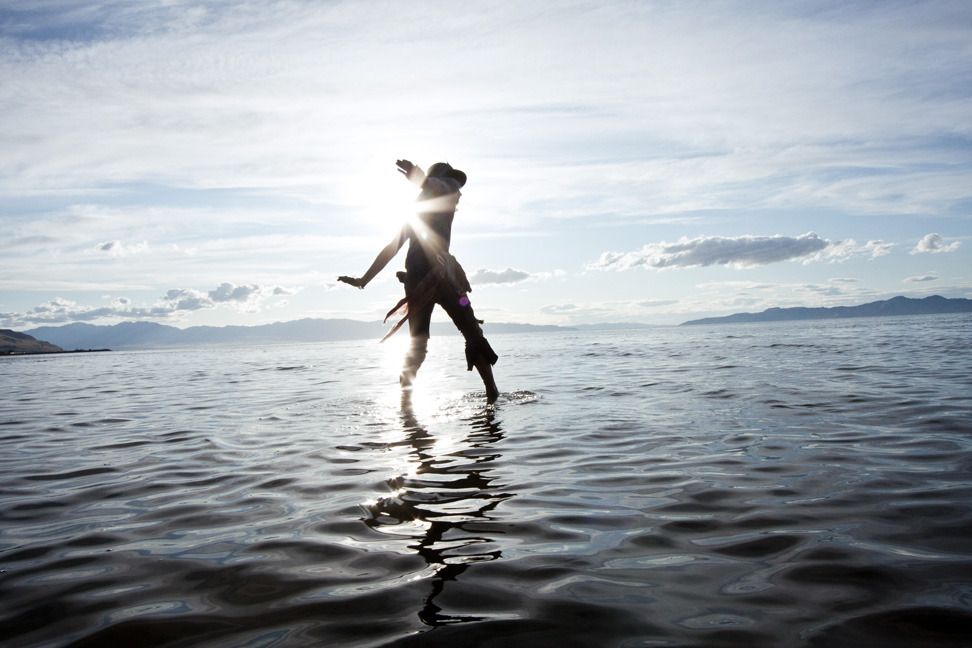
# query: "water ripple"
798 485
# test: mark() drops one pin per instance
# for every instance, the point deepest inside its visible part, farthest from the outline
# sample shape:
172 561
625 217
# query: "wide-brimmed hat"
445 170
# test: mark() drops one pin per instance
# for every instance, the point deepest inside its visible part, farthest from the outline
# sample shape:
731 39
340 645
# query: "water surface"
752 485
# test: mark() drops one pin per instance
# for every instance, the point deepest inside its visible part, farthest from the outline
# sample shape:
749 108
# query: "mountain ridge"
149 335
896 306
15 343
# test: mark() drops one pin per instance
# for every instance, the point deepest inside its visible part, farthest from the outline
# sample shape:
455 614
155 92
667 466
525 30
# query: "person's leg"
486 373
418 329
478 352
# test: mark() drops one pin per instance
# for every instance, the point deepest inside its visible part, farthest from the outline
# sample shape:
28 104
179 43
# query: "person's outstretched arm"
414 174
386 255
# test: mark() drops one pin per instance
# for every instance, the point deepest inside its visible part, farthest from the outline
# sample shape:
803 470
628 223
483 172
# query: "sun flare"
385 201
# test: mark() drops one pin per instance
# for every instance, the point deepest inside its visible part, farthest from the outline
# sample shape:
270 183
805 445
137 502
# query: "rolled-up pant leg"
477 347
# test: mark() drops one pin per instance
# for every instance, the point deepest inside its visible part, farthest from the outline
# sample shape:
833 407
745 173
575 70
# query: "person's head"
445 170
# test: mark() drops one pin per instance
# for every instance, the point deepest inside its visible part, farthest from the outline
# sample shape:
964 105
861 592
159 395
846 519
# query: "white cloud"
738 252
243 139
175 303
728 98
878 248
247 298
558 309
607 311
723 286
921 279
119 249
484 277
180 299
840 251
227 292
826 291
935 243
658 303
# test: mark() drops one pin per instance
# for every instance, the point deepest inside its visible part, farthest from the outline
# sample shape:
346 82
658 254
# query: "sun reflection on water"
444 485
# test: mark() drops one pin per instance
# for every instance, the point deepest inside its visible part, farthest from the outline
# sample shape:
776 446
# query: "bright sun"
384 197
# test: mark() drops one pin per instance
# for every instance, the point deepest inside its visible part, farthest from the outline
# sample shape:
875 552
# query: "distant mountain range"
935 305
148 335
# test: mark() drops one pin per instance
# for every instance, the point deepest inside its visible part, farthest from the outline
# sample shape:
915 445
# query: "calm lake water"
797 484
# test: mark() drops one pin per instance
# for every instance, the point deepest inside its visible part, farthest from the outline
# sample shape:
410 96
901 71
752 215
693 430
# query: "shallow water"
793 484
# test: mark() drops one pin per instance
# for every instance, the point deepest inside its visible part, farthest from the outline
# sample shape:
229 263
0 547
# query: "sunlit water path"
754 485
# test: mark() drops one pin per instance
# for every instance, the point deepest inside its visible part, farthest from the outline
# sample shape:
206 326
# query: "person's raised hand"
404 167
414 174
351 281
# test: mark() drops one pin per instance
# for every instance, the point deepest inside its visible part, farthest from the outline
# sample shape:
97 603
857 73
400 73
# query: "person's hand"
414 174
352 281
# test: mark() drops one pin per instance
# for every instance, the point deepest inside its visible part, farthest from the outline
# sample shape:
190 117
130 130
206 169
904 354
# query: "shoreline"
26 353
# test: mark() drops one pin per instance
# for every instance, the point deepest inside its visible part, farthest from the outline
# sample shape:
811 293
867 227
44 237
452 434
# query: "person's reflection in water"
451 496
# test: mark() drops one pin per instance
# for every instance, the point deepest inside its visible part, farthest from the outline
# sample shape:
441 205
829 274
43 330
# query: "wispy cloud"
737 252
713 96
600 311
825 291
156 144
921 279
935 243
657 303
840 251
558 309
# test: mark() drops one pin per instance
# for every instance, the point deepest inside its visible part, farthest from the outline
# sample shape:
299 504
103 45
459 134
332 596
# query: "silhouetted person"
432 275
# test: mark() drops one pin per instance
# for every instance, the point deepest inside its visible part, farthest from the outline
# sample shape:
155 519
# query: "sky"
221 162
